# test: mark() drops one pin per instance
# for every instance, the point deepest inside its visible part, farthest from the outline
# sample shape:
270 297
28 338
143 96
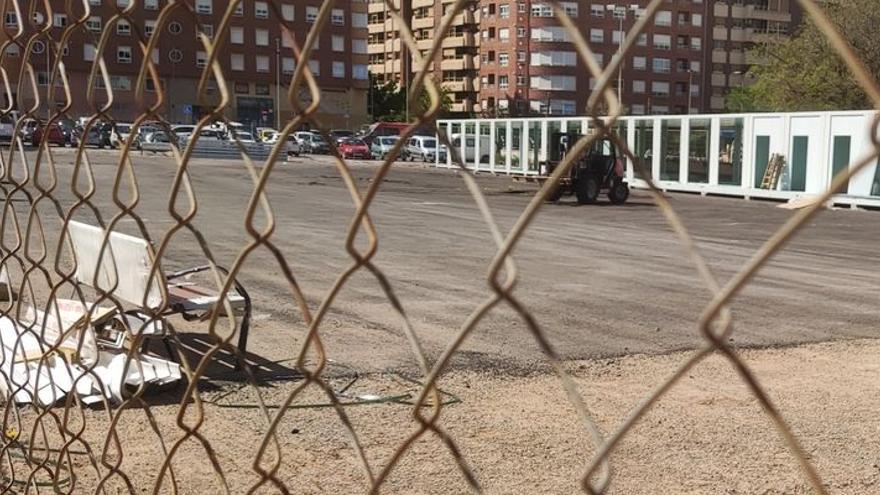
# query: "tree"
806 73
388 102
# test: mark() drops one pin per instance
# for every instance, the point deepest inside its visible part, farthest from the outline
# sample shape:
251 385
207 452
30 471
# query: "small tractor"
600 168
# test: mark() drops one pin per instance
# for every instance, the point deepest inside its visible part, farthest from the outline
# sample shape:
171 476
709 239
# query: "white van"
470 147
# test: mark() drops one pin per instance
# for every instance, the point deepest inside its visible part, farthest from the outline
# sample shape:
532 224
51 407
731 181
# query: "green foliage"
388 103
806 73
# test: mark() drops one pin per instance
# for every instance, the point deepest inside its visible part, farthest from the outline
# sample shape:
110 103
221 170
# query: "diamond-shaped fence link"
55 366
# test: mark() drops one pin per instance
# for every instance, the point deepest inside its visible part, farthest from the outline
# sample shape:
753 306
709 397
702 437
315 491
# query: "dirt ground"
609 285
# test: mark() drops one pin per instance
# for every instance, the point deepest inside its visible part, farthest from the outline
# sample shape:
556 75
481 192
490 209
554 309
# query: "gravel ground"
609 285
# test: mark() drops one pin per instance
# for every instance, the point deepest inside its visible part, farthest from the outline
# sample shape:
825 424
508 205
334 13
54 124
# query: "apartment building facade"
257 58
522 61
456 64
737 27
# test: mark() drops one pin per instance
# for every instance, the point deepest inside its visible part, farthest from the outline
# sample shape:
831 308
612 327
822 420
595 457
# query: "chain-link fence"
88 322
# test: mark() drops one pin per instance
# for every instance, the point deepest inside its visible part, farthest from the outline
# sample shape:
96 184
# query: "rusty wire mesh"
44 448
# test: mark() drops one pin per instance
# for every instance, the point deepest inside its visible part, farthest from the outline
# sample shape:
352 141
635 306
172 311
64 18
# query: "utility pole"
689 89
277 83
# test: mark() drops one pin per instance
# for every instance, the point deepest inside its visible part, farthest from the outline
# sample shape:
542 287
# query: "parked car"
27 130
312 142
244 137
55 135
265 133
382 146
423 148
293 147
120 134
98 136
182 131
7 126
354 148
305 140
341 134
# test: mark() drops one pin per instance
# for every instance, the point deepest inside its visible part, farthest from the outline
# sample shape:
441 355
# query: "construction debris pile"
72 348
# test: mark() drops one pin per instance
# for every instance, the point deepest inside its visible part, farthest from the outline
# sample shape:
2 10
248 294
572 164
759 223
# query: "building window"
261 37
520 32
204 6
93 24
662 41
59 20
662 65
261 10
359 20
337 17
640 63
174 27
504 11
201 59
242 88
262 63
660 88
236 35
123 54
151 4
597 36
638 86
123 28
89 52
663 18
288 65
39 47
239 10
504 34
503 82
262 90
503 59
149 27
359 72
288 12
315 67
337 43
597 10
208 30
359 46
175 56
311 14
339 70
237 62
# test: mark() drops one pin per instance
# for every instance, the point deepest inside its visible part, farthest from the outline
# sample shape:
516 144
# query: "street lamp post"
614 9
278 83
690 89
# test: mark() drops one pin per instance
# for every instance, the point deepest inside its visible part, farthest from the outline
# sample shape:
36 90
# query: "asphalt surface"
601 280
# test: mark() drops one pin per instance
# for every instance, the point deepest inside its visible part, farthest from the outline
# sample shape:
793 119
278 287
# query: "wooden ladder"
773 172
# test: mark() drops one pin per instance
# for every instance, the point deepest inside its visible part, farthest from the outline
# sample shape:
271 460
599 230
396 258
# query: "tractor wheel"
587 190
555 194
619 193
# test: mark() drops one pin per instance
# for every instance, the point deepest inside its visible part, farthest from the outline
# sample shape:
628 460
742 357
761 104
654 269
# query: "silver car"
424 148
382 146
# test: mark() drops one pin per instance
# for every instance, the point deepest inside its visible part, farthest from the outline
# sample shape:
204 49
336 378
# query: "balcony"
465 85
423 23
462 107
464 63
719 57
465 40
417 4
464 18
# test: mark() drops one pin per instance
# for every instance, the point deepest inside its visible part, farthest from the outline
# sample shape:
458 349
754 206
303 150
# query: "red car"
354 148
55 135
